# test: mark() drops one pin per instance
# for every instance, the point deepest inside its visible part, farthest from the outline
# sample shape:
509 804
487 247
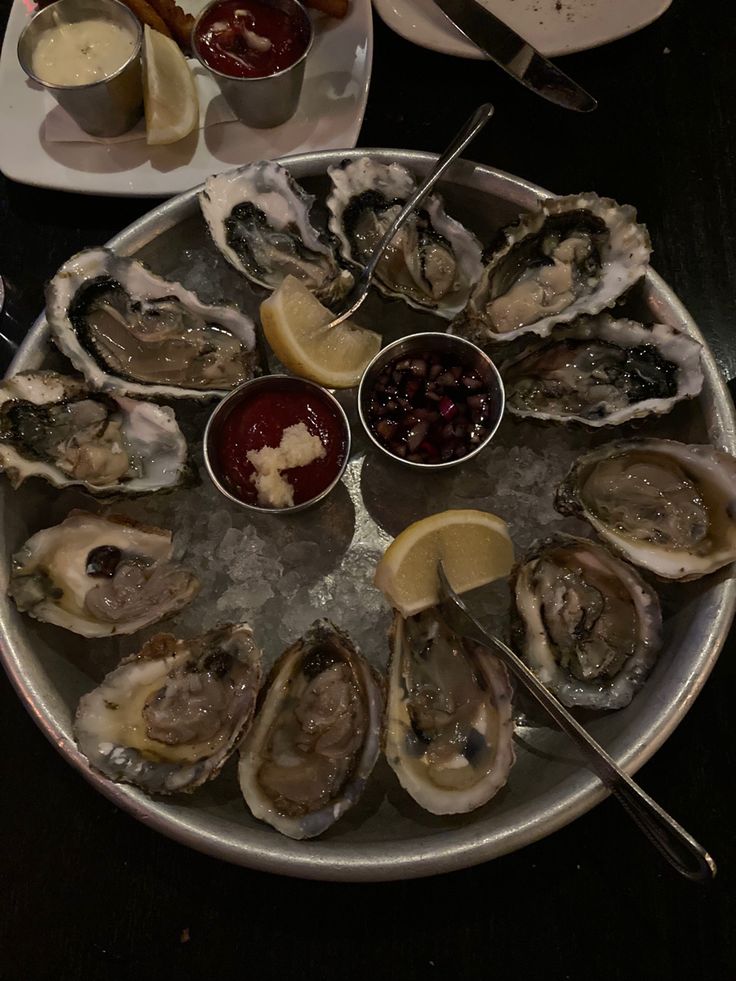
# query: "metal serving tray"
386 836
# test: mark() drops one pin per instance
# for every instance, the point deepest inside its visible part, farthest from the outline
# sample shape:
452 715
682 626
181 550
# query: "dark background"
89 893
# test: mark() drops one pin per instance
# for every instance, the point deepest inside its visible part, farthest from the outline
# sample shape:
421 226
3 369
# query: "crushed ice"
281 572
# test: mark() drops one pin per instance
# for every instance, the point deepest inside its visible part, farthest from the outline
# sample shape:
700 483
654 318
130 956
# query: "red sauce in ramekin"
230 36
260 419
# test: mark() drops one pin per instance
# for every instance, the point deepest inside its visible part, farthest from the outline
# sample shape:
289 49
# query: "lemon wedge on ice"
474 546
295 325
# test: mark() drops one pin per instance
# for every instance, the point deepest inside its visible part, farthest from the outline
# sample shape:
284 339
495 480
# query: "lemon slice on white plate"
295 325
474 546
169 93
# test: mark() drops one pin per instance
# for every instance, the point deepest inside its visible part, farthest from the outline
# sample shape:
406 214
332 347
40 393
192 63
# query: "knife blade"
515 55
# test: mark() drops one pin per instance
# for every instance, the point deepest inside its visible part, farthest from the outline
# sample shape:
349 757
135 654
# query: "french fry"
147 15
333 8
179 24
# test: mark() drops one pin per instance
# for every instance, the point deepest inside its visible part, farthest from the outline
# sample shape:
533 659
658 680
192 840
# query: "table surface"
90 893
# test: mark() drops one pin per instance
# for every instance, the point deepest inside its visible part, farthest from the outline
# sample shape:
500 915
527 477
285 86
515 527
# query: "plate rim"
418 856
454 44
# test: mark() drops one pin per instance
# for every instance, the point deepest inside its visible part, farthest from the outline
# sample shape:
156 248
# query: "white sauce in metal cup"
82 52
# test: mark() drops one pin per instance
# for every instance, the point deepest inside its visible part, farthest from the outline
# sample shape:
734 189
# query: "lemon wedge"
169 94
295 325
474 546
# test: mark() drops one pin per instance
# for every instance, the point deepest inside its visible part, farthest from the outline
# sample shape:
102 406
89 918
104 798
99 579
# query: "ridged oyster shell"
54 426
432 262
601 371
585 622
128 330
258 217
167 718
449 726
573 255
316 737
666 506
99 575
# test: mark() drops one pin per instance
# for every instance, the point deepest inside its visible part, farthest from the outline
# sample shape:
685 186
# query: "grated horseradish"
298 447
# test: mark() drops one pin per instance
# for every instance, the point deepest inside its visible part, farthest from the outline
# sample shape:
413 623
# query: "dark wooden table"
89 893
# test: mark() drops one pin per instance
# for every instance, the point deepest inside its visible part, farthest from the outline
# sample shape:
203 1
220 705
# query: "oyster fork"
361 286
679 848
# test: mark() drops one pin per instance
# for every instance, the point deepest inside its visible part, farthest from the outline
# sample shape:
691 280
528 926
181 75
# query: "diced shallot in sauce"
430 409
250 39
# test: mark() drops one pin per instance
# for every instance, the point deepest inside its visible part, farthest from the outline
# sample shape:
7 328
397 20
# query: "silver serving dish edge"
652 717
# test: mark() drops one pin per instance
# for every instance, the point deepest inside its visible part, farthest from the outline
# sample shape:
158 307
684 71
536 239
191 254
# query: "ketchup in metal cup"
260 420
249 39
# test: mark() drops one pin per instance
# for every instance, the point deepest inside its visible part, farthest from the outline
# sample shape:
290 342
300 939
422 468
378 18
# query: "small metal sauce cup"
463 353
271 99
213 431
109 106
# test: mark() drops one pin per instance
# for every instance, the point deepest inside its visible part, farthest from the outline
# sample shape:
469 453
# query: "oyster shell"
449 727
586 622
316 737
573 255
668 507
602 372
128 330
167 718
55 427
432 262
99 576
258 217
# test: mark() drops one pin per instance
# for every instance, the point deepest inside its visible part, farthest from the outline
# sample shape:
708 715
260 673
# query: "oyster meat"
128 330
432 262
573 255
100 576
258 217
668 507
56 427
168 718
586 622
602 372
316 737
449 727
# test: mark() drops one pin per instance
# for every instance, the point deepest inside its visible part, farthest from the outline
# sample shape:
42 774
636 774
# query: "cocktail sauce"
260 420
249 39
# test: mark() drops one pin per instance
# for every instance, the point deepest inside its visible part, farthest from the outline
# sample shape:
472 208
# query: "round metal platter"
386 836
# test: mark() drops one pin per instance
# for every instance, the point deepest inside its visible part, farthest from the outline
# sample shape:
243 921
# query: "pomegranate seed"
448 409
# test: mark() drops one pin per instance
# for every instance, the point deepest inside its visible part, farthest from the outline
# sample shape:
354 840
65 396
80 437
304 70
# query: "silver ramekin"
272 99
241 394
110 106
465 354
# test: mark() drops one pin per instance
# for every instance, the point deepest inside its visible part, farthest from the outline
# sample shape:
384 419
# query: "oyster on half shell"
167 718
573 255
432 261
316 737
668 507
602 372
56 427
449 726
100 576
585 622
128 330
258 217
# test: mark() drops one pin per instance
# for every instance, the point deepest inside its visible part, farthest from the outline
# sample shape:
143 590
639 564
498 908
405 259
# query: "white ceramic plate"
554 27
329 116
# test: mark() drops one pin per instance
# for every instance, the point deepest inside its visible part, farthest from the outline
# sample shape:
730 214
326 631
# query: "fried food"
147 15
333 8
179 24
